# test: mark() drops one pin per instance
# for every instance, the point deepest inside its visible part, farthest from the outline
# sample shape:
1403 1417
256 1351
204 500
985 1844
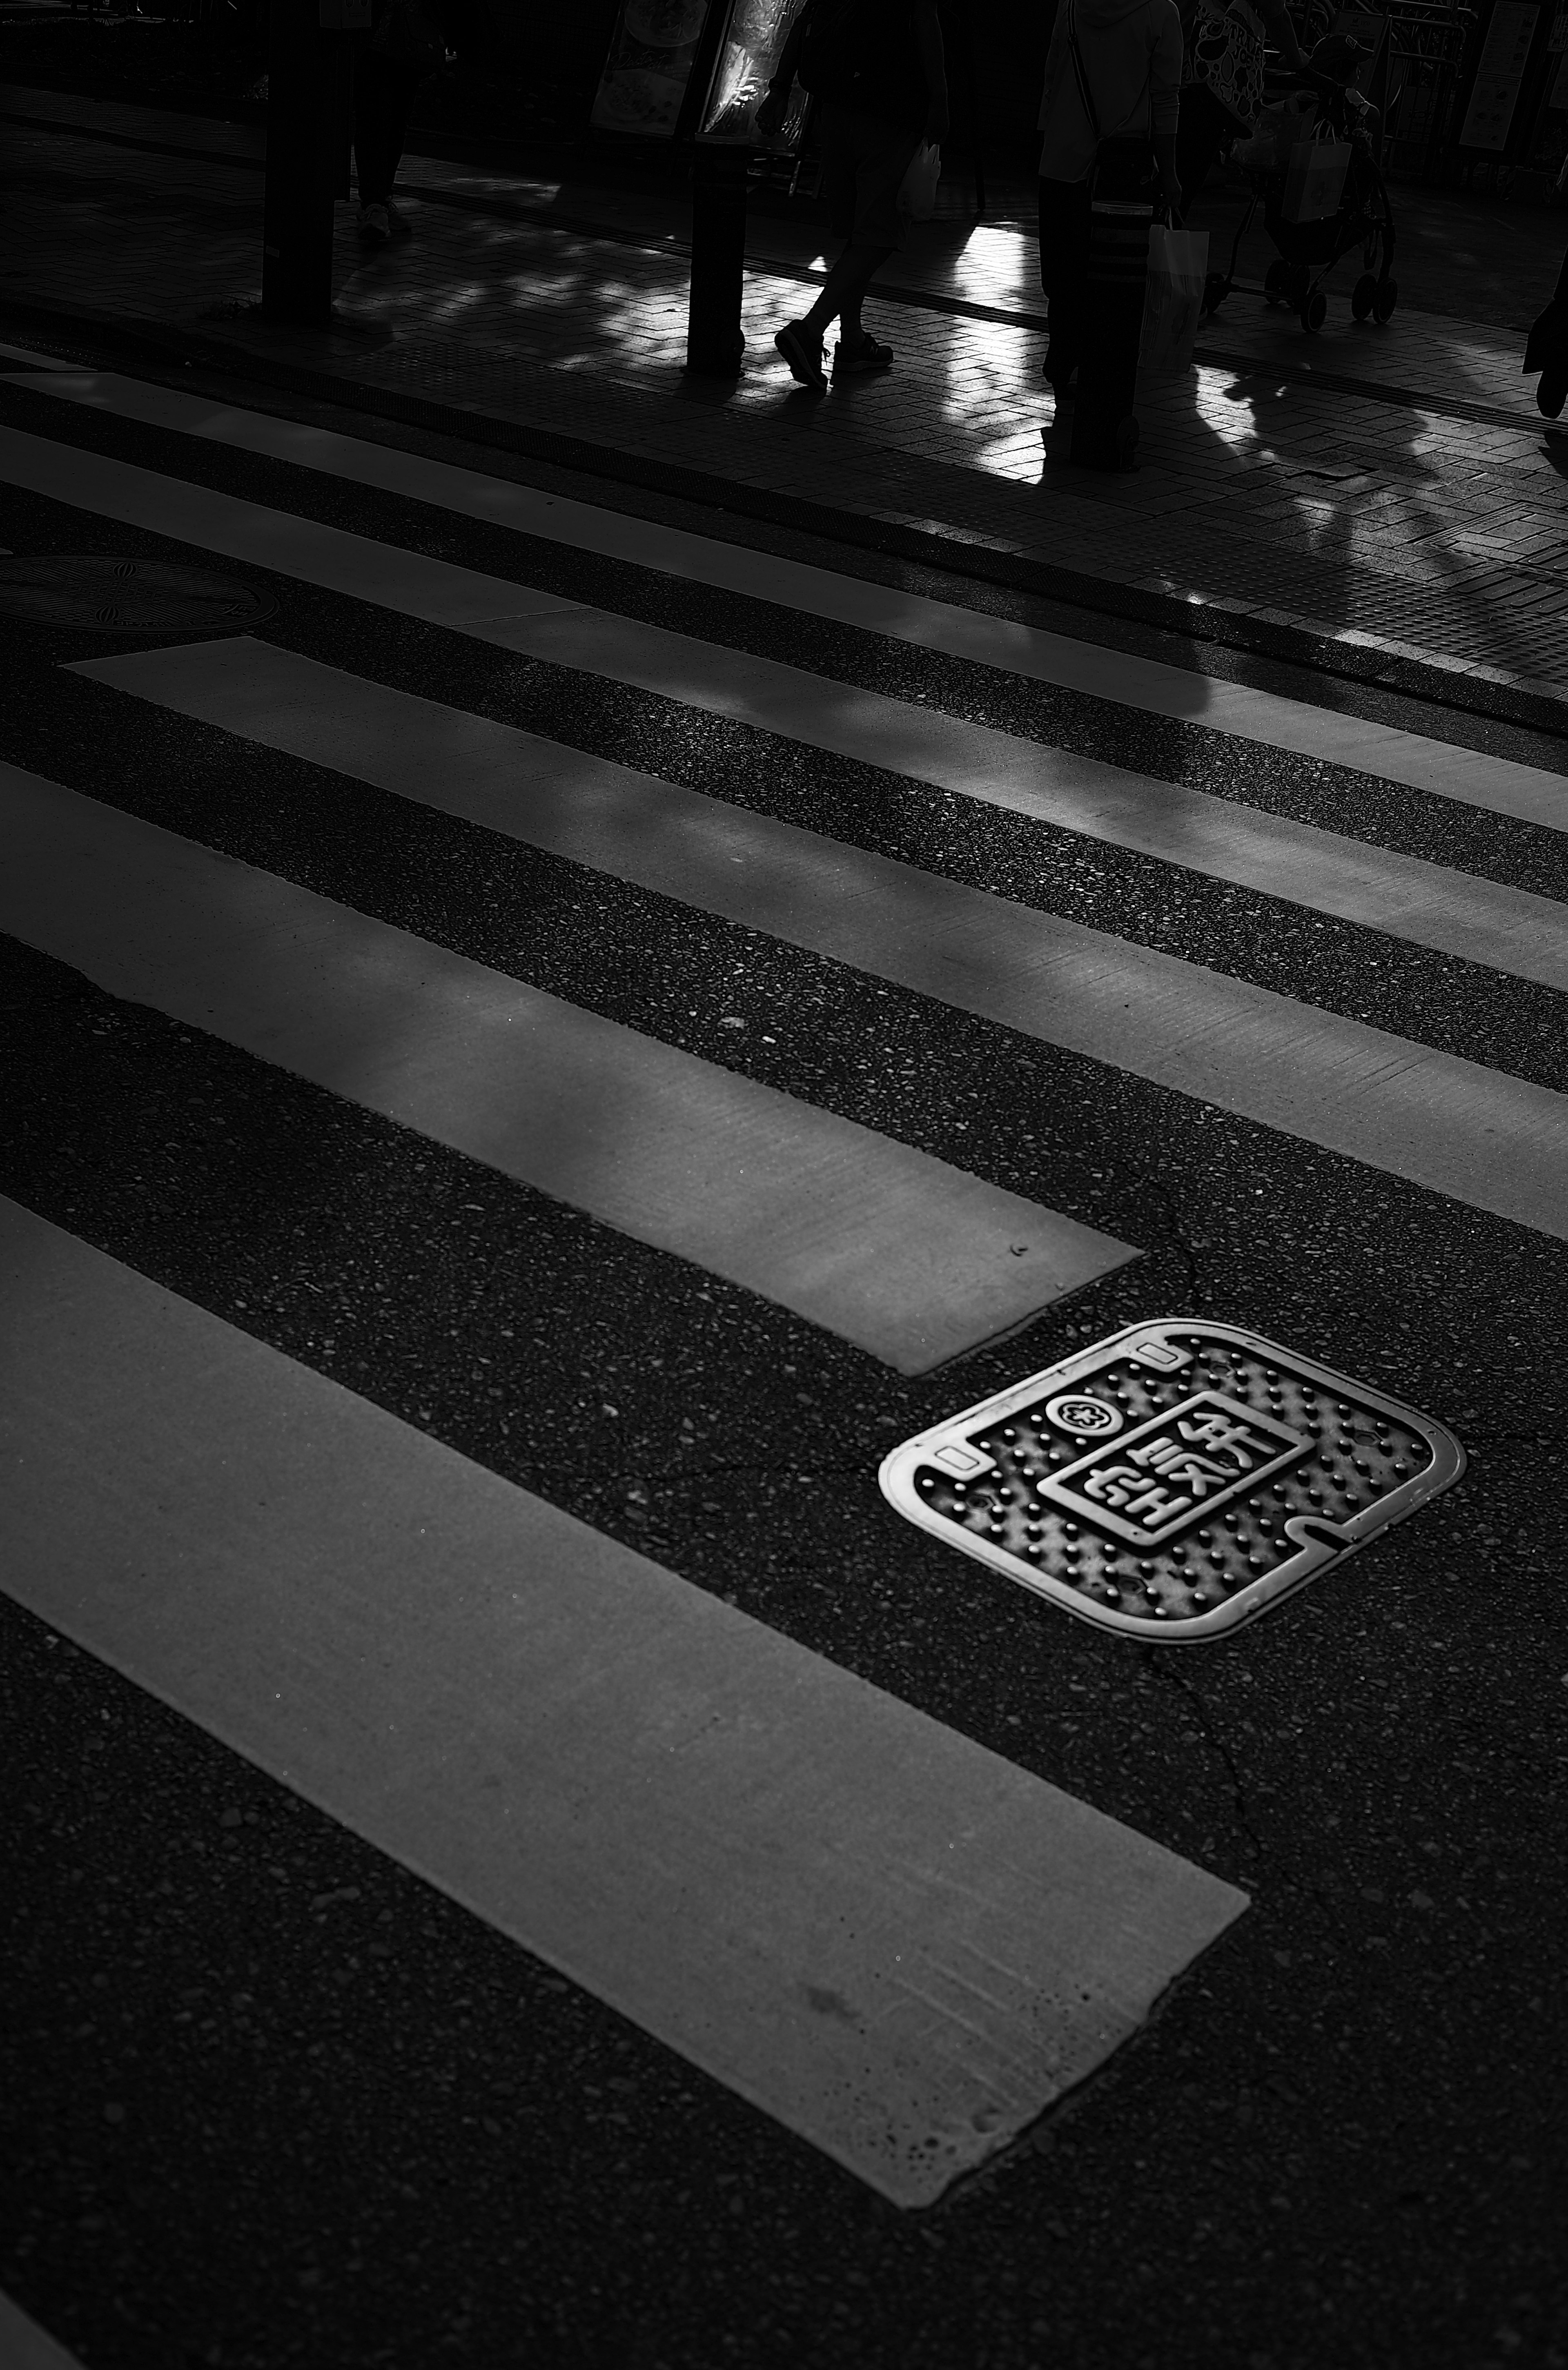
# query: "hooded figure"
1130 53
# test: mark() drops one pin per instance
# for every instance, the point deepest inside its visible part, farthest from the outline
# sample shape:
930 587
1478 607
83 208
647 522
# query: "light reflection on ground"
1416 496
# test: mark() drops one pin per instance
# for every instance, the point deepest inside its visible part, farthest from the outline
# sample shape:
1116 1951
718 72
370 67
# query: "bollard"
1105 427
715 341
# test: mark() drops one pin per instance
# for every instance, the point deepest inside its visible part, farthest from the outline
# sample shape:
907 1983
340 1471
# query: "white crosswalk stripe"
1496 1142
696 1819
1500 785
1080 792
1428 904
913 1260
590 1751
25 2346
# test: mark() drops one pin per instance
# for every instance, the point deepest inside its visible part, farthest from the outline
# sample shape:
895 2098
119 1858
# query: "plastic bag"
918 190
1173 299
1314 182
1278 132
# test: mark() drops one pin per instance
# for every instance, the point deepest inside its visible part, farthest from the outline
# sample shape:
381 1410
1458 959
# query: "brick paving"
1432 526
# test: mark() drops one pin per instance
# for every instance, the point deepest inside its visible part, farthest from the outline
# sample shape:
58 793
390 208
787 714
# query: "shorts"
863 163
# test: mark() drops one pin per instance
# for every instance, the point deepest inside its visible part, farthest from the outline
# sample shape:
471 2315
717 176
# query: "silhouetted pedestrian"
1108 116
879 72
406 45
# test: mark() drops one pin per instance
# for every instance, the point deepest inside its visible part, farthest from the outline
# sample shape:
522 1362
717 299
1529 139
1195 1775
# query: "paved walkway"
1391 487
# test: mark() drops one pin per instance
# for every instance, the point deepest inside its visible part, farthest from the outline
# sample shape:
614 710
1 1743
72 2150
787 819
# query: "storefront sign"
753 43
652 54
1503 57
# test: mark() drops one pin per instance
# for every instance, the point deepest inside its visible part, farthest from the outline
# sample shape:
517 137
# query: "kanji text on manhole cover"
127 596
1172 1481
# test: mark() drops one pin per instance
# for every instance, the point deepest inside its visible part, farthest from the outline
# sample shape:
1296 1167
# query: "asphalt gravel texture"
269 2099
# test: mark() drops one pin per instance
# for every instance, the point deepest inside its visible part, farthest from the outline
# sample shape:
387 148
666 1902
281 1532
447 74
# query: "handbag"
1314 180
918 190
1225 55
409 35
1173 299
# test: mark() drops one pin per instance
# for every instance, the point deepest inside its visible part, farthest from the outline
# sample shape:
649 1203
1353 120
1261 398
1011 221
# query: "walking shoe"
854 359
375 227
398 221
803 351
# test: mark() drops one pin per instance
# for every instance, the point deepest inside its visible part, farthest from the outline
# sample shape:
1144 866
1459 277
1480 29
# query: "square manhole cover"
1174 1480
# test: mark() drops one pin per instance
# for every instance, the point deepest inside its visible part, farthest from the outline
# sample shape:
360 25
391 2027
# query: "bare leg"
844 290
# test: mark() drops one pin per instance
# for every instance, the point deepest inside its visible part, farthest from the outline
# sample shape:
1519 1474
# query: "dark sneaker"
398 222
855 361
803 351
374 225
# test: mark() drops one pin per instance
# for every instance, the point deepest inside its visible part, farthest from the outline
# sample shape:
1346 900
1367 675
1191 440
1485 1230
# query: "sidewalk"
1388 489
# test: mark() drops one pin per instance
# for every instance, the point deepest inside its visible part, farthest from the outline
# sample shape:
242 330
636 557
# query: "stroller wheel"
1551 391
1384 300
1363 296
1217 288
1276 281
1314 309
1297 286
1128 437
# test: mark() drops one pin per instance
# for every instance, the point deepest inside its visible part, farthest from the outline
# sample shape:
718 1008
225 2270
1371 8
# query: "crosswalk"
679 557
731 977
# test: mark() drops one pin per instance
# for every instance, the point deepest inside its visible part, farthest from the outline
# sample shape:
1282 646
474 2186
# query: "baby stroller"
1363 218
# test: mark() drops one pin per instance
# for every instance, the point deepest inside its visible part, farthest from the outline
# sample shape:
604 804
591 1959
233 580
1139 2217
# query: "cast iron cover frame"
1174 1480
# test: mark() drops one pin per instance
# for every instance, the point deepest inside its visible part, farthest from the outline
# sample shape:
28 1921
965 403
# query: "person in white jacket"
1108 122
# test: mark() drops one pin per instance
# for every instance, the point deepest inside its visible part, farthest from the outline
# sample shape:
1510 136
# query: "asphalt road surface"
547 1031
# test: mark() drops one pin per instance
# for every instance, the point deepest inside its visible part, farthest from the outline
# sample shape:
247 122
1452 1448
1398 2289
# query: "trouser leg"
1105 428
1064 272
383 94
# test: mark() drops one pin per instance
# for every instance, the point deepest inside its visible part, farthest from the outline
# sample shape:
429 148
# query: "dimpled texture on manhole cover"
1174 1480
126 596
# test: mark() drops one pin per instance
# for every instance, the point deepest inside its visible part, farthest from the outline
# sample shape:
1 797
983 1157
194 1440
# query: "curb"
927 545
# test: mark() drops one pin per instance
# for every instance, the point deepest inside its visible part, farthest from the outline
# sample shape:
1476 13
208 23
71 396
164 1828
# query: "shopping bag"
918 190
1173 299
1314 180
1277 133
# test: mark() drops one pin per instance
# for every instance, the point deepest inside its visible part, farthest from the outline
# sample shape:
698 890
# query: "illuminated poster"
1503 57
755 35
646 73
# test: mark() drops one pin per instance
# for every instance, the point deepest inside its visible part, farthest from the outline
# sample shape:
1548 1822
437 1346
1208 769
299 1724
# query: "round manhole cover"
126 596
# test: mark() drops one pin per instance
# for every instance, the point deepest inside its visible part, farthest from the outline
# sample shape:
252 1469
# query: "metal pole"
715 341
